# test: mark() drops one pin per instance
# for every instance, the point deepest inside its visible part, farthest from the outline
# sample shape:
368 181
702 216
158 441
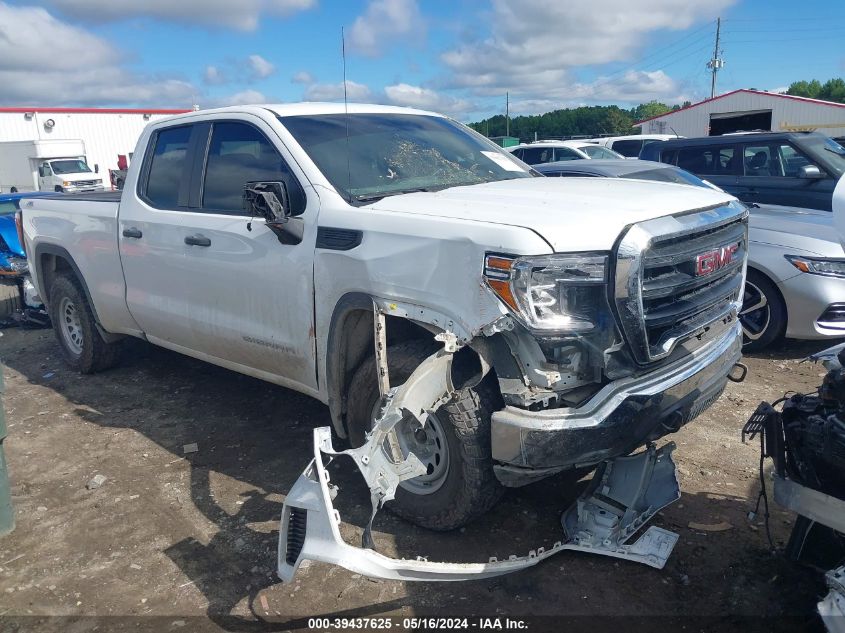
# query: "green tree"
650 109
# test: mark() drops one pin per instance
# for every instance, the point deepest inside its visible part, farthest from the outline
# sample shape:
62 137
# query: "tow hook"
743 372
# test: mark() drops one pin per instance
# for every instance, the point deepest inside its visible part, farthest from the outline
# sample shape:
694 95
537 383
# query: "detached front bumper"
619 418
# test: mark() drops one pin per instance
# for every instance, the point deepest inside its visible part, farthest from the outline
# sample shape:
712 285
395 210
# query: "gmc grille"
678 276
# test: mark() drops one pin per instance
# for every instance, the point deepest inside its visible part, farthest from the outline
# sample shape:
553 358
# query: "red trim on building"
754 92
93 110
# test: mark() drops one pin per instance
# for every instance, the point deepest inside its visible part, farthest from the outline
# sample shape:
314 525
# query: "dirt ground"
180 536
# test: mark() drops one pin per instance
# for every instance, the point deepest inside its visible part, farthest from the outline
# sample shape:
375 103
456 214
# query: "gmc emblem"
711 261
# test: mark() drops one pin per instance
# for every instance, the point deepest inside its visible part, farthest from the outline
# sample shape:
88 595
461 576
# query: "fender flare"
53 249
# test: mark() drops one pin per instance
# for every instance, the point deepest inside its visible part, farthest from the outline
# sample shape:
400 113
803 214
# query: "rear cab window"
168 167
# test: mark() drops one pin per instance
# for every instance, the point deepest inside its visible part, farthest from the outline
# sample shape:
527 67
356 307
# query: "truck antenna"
346 115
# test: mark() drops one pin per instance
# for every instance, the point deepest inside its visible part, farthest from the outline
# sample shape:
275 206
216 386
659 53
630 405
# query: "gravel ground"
180 536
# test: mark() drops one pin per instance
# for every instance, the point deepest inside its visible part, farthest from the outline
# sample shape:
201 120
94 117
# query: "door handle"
132 232
197 240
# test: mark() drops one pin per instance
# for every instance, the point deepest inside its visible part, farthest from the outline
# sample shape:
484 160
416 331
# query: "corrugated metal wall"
695 121
105 134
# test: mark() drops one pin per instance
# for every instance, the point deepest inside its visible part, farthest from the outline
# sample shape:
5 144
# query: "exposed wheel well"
351 342
49 267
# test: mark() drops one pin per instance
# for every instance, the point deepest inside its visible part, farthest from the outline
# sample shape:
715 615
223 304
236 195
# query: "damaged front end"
624 495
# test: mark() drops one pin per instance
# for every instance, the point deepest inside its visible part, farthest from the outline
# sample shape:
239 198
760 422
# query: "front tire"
763 315
460 484
82 345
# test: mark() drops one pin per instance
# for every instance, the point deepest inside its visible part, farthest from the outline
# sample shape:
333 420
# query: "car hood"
569 213
808 230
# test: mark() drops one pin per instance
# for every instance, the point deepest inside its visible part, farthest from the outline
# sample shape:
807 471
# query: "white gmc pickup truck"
339 251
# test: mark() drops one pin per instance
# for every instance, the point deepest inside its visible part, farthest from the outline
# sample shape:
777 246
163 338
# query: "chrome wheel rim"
756 313
70 325
428 443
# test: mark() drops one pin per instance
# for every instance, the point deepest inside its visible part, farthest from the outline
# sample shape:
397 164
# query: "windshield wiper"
373 197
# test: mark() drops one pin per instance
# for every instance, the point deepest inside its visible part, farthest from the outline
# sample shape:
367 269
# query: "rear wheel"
763 315
76 330
454 444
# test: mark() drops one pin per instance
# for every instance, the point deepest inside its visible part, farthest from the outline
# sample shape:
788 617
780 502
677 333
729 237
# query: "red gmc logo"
711 261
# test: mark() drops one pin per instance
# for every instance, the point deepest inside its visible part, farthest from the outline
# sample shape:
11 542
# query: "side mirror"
96 168
270 201
810 172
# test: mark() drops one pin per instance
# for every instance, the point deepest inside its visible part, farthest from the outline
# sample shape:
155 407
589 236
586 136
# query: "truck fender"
53 249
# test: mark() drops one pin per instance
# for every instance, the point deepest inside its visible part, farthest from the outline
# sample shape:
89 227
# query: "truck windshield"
75 166
369 156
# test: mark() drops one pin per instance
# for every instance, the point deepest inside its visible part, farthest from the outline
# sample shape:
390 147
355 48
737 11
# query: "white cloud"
334 92
83 69
534 45
384 22
260 67
243 15
245 97
426 99
304 78
213 76
32 39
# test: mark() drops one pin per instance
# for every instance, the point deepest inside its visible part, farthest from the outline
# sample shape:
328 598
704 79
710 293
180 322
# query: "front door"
250 297
772 176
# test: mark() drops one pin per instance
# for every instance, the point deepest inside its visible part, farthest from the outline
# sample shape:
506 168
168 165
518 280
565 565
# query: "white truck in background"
47 165
470 325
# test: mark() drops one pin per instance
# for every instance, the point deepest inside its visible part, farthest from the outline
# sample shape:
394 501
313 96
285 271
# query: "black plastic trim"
335 239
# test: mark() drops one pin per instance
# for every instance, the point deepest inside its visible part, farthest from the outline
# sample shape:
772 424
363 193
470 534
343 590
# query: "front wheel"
763 315
454 444
76 330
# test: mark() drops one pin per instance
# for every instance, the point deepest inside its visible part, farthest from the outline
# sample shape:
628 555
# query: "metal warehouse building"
106 132
747 110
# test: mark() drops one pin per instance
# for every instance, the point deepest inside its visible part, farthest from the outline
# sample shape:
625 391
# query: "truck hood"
571 214
83 175
807 230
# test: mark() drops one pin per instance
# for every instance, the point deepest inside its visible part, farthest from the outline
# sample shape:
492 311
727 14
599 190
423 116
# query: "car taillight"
19 227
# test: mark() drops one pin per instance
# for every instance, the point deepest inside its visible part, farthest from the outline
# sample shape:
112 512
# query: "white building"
747 110
106 132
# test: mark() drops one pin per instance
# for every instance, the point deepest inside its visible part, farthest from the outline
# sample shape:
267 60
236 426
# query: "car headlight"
563 293
818 266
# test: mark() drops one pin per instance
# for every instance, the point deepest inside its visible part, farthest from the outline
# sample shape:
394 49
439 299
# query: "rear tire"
763 315
10 299
469 487
82 345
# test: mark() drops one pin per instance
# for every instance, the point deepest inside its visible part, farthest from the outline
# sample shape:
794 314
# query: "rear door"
150 239
716 163
250 297
772 176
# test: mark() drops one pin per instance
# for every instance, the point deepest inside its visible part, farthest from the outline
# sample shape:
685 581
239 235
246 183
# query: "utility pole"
717 62
507 114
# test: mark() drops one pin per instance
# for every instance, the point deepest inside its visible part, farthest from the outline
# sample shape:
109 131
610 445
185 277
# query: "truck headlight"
66 183
818 266
564 293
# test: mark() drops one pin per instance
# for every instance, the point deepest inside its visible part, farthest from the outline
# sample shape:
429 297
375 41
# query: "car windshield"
76 166
7 208
826 150
597 151
369 156
666 174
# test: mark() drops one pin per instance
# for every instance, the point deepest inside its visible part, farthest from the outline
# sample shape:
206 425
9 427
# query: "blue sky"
457 56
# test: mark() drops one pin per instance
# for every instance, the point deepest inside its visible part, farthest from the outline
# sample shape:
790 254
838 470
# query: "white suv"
553 151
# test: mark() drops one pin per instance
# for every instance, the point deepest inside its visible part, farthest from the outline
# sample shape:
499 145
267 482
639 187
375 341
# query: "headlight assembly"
563 293
818 266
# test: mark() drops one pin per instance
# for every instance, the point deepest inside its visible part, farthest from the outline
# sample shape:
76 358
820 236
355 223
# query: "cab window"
238 154
168 166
